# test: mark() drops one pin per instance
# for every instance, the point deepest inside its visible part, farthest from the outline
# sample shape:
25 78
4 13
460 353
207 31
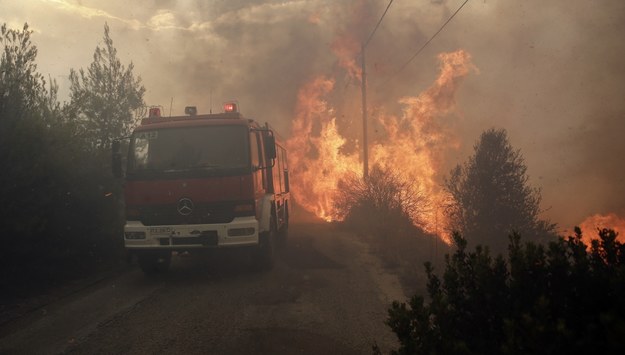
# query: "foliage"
382 200
491 195
104 97
57 204
560 298
22 89
22 128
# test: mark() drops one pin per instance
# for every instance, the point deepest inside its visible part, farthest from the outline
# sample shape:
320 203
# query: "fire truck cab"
203 182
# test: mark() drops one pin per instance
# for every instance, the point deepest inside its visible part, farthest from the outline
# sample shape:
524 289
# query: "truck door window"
254 150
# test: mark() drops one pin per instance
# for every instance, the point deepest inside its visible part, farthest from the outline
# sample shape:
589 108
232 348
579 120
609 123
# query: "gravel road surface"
327 294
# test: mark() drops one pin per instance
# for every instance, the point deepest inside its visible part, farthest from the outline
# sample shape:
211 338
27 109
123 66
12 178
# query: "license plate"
161 230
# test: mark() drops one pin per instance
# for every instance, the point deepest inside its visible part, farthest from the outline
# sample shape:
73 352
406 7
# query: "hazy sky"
551 72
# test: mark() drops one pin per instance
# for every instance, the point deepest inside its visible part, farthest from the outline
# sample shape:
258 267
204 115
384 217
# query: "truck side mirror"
270 146
116 157
286 181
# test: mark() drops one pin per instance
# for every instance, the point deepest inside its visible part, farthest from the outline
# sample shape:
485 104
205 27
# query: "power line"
430 40
378 24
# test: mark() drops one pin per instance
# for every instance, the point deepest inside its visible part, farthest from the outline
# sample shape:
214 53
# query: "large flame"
592 223
315 157
412 143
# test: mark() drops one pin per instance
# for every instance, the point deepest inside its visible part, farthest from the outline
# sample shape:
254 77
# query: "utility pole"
365 144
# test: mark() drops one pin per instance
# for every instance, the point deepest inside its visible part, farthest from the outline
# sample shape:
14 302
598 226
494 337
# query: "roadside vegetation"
60 205
522 290
386 210
558 298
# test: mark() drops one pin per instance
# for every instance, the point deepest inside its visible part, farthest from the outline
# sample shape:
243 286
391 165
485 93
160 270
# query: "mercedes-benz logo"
185 206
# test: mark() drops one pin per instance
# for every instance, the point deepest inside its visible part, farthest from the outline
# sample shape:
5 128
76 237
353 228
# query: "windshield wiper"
193 168
207 166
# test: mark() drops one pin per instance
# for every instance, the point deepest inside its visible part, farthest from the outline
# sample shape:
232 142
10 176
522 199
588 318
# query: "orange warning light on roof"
230 107
155 112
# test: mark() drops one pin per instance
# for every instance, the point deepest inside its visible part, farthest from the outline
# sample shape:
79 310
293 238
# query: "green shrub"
559 298
59 208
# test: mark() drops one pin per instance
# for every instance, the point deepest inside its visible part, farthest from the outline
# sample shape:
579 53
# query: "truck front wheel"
152 262
284 231
265 252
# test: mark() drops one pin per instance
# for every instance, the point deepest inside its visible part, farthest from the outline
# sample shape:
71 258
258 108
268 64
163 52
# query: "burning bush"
562 298
383 202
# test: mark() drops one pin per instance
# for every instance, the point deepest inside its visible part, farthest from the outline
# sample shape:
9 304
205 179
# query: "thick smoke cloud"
550 72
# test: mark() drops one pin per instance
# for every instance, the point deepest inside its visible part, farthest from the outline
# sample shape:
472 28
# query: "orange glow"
412 143
590 225
346 48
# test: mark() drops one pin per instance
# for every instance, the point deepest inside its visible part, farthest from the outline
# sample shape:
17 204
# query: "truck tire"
283 234
152 262
265 252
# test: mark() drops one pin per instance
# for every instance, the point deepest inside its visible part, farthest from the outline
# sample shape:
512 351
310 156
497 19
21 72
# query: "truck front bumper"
241 232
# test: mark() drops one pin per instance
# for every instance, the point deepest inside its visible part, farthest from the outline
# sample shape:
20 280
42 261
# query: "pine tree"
492 197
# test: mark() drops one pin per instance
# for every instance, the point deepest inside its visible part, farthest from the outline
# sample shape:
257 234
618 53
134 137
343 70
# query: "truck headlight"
239 232
134 235
244 209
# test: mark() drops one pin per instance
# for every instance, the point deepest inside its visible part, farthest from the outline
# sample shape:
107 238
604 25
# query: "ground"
328 293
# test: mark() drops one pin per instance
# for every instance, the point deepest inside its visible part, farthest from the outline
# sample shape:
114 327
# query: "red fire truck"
201 182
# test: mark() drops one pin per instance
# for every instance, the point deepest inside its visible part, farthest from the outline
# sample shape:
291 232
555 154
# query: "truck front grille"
202 214
206 239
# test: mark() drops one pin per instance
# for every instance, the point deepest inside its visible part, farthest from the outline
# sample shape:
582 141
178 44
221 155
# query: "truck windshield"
205 148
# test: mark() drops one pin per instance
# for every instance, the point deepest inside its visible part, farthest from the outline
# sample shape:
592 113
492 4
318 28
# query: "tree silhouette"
57 213
23 90
25 108
104 97
491 195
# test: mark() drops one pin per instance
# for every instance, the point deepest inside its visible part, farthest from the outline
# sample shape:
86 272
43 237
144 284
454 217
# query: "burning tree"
413 142
491 195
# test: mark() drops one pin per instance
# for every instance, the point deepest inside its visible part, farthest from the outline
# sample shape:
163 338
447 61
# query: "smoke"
550 72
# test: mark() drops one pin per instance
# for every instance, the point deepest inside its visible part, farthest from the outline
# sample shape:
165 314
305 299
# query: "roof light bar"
154 112
231 107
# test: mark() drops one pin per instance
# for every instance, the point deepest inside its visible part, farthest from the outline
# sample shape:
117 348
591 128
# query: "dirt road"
326 295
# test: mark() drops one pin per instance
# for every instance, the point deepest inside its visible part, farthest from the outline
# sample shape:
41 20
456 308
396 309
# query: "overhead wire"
428 41
378 24
374 30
